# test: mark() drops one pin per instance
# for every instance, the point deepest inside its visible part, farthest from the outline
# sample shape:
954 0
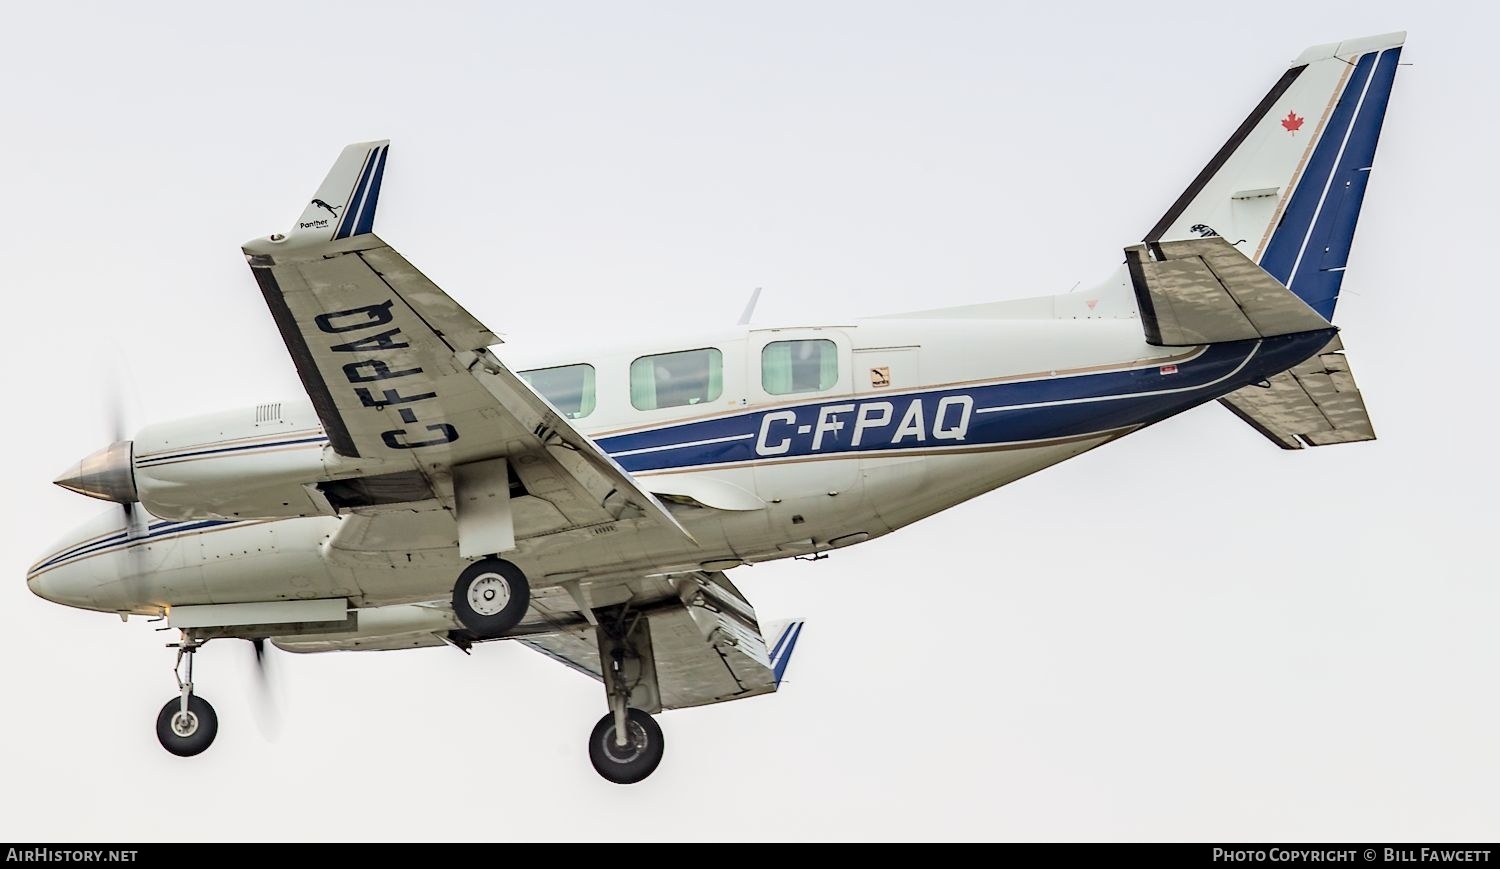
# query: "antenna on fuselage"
750 307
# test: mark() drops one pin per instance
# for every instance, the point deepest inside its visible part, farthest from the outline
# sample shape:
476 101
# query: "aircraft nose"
70 584
78 570
107 474
36 580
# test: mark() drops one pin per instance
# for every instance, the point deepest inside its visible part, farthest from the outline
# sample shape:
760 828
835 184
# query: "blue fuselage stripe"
123 540
984 415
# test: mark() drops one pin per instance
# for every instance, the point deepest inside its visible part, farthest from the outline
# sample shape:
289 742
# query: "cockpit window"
570 388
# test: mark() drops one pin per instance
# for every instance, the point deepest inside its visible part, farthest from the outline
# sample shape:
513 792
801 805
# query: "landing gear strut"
187 724
627 744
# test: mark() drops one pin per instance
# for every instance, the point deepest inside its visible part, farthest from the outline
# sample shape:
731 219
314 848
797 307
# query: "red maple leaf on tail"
1292 122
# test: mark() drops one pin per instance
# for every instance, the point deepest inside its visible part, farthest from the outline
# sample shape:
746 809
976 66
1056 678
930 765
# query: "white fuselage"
924 412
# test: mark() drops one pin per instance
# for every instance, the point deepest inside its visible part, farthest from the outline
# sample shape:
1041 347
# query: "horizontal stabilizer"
1316 403
1204 291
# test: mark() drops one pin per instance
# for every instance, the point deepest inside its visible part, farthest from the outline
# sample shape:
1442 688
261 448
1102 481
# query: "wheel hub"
489 593
185 724
636 743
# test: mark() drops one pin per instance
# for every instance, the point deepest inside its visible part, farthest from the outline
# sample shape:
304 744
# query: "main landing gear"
627 744
490 597
187 724
626 754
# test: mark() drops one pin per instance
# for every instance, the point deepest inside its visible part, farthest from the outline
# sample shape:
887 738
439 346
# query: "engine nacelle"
253 463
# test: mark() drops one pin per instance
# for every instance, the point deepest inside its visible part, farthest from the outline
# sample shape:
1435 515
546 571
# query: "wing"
406 389
702 646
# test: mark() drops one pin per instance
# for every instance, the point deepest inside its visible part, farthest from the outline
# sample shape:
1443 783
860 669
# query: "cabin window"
570 388
677 379
799 366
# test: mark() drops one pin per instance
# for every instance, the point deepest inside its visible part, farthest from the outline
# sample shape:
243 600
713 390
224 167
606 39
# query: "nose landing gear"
187 724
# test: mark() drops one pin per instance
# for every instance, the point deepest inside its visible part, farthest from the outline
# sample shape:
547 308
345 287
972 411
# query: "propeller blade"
116 419
265 701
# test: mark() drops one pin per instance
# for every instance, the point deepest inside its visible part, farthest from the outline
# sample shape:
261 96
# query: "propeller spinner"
107 474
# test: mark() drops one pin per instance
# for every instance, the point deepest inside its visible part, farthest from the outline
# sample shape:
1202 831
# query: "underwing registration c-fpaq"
430 490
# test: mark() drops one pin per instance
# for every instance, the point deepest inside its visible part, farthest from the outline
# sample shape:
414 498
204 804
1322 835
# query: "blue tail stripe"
356 201
346 220
1320 229
366 220
781 640
1281 253
790 638
1333 235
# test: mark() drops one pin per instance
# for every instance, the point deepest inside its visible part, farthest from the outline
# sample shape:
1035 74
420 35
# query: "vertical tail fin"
1287 187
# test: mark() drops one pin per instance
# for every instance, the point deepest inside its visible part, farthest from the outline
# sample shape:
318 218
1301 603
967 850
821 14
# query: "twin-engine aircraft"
589 505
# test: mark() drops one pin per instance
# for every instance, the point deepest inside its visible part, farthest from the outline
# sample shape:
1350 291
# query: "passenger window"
677 379
799 366
570 388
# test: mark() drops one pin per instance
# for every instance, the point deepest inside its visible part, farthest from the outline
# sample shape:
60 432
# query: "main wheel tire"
490 597
187 735
635 761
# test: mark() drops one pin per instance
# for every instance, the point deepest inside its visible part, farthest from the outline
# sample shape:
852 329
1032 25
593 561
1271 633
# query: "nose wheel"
187 724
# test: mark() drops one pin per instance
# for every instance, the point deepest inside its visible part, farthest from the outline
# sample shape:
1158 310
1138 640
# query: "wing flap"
706 645
449 320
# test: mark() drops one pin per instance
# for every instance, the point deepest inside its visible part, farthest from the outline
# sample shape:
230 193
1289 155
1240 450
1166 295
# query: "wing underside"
706 645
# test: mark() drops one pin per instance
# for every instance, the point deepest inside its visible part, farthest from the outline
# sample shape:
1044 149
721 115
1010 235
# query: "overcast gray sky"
1186 635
